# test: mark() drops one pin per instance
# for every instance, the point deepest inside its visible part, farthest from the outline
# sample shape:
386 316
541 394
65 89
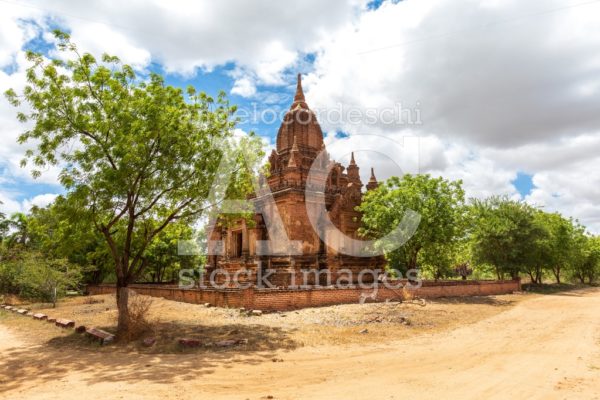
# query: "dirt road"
546 347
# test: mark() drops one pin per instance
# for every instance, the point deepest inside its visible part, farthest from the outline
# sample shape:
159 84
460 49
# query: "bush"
32 276
139 307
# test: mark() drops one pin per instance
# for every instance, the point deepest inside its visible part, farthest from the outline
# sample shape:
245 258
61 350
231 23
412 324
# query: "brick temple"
299 147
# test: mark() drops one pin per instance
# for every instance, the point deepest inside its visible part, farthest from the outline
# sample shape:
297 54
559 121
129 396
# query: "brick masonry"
333 188
289 299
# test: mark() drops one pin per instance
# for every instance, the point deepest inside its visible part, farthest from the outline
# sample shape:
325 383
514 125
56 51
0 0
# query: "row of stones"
97 334
104 337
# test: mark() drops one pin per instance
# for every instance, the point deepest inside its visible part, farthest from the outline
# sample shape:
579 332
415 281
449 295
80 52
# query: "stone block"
102 336
65 323
40 316
186 342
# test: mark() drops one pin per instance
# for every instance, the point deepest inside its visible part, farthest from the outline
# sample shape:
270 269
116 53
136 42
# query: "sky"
501 94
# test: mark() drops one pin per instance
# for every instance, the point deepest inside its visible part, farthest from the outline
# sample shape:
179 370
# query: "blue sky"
212 82
506 92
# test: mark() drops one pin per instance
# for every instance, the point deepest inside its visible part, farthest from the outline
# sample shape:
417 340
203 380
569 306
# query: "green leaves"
136 155
441 206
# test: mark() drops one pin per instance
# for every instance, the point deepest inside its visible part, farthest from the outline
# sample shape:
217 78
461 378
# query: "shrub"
32 276
139 307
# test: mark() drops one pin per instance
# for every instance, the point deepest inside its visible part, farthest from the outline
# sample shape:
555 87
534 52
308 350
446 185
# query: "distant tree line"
496 237
49 251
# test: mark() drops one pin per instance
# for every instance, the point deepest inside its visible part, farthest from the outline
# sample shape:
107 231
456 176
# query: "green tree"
57 235
137 154
586 265
564 245
501 233
46 279
32 275
163 261
441 205
592 267
539 257
4 226
19 224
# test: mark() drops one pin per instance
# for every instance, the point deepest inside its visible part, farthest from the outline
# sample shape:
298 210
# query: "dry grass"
11 299
166 321
139 310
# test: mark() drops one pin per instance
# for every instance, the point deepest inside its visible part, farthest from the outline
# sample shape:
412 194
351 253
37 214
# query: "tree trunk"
538 276
123 307
557 274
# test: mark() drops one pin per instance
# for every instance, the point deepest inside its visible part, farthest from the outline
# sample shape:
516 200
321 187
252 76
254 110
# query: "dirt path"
547 347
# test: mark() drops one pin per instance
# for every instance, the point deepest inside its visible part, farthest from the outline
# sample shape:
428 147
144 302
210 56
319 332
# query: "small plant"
139 307
463 270
92 300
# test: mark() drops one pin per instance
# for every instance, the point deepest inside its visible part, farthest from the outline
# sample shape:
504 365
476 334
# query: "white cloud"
41 200
502 86
10 205
262 37
11 152
497 75
244 87
15 30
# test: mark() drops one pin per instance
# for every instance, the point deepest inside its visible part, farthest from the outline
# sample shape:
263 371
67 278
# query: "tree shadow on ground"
560 289
166 362
484 300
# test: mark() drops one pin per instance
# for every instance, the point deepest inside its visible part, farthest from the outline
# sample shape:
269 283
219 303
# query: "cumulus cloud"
16 28
497 73
501 87
244 87
11 152
10 205
262 37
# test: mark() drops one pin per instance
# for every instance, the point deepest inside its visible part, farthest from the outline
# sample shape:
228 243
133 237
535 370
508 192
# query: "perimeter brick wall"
289 299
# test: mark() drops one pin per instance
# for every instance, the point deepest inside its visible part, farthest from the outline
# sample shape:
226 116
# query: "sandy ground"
545 347
334 325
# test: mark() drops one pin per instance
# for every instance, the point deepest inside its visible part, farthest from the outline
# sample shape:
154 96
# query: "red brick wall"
288 299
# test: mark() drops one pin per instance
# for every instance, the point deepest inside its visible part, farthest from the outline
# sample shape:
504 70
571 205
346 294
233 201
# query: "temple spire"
299 100
353 174
373 184
299 97
352 162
